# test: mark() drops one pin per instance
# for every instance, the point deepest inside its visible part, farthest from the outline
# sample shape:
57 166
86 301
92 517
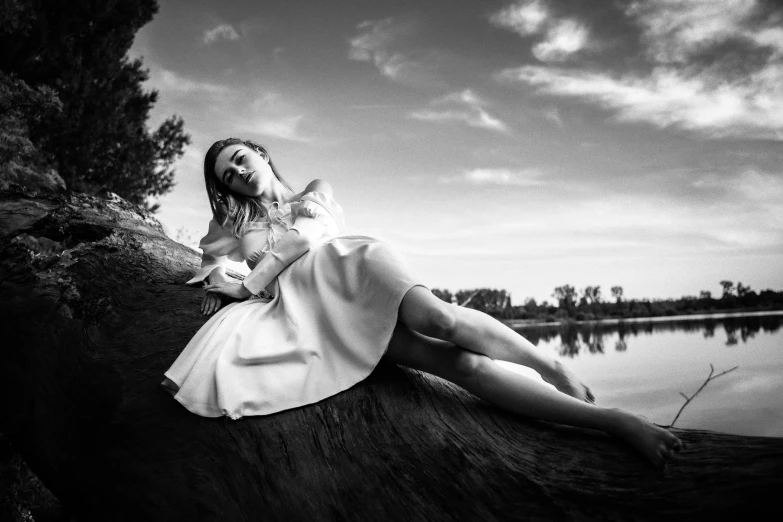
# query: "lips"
248 176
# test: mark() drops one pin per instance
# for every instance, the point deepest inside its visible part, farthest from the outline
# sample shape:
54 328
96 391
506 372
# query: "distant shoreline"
519 323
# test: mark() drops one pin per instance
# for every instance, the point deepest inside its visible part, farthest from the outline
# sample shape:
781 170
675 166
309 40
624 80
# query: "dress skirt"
327 327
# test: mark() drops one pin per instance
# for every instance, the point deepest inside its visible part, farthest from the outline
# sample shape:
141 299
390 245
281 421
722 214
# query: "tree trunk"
94 311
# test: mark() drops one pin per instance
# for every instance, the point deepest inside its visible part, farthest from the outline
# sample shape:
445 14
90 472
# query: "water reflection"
589 337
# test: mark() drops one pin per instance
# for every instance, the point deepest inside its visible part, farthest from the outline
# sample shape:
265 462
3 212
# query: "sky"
517 145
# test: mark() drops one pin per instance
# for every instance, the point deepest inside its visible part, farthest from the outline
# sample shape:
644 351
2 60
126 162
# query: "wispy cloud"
169 81
553 114
221 32
679 90
561 37
373 44
674 30
525 17
752 206
666 97
464 107
750 184
497 176
286 128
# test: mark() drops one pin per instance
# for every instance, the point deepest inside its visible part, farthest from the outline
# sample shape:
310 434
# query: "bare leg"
516 393
476 331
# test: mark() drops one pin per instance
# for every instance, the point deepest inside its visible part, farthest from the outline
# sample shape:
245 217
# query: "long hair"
230 206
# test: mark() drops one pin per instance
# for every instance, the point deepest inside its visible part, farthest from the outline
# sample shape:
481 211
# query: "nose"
238 170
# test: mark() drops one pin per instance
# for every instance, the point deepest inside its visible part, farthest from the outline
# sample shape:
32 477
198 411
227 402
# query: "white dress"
326 328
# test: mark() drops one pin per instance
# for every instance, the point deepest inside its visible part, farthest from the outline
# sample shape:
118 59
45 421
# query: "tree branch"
689 399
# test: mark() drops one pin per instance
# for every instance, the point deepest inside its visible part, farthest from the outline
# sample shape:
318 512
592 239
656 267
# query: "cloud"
679 88
221 32
499 176
751 107
286 128
169 81
372 45
553 114
464 107
526 17
674 30
688 80
751 185
562 37
752 203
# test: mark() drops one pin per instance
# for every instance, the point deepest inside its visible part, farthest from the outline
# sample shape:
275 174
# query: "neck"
277 192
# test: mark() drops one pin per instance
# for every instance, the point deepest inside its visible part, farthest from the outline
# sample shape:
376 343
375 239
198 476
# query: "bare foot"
654 442
566 382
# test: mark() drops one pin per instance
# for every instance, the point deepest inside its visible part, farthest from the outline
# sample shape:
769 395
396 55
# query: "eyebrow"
231 160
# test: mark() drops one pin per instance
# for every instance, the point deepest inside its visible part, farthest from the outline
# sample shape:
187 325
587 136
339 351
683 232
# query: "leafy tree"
728 288
591 294
566 296
488 300
617 293
100 139
742 290
705 294
21 162
443 295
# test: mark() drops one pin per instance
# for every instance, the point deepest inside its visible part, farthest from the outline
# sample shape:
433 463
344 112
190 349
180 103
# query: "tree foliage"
566 296
100 138
21 162
591 307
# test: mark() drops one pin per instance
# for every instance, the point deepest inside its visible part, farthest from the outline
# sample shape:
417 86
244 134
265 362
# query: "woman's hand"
234 290
211 303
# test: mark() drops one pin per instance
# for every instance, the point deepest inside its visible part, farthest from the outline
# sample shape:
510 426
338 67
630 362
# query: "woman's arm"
312 223
214 302
295 243
218 247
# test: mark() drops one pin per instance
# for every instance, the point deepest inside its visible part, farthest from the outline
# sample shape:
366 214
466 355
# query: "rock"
91 315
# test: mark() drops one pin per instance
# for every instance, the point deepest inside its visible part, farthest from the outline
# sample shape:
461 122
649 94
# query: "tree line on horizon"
588 303
73 110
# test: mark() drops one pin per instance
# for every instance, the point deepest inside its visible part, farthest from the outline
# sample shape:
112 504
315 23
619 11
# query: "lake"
643 366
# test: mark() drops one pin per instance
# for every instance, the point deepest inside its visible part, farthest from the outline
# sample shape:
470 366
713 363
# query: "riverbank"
521 323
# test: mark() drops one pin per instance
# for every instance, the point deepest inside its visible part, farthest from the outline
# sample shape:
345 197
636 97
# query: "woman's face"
243 170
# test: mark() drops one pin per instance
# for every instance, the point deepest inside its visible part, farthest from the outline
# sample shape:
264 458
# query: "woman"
340 304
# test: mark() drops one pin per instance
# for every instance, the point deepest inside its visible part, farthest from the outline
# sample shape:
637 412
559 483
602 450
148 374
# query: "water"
643 367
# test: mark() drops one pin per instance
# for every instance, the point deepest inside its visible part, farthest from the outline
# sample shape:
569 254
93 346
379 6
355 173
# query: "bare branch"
689 399
466 301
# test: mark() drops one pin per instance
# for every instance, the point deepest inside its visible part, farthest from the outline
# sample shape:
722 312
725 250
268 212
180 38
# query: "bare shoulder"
319 185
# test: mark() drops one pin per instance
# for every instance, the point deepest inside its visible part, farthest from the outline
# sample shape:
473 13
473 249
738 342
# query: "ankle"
620 422
549 369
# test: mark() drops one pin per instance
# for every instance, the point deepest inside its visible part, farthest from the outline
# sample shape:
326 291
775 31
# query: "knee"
441 322
468 365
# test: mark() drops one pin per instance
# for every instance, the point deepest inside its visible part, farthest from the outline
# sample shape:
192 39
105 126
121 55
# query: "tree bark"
94 311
